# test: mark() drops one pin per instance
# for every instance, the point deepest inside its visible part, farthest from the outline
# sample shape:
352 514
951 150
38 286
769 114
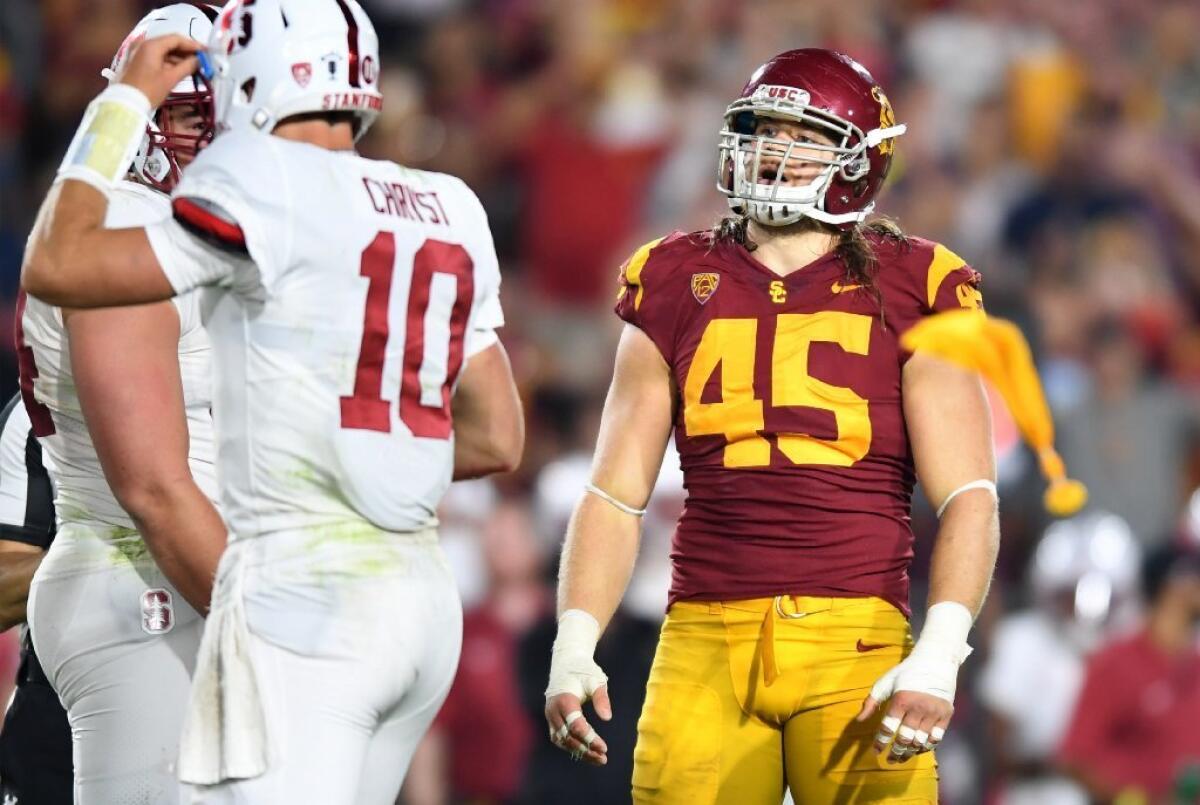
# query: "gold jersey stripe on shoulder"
633 269
944 261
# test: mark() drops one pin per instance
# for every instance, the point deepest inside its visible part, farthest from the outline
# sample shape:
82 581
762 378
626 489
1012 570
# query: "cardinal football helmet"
156 162
273 59
832 94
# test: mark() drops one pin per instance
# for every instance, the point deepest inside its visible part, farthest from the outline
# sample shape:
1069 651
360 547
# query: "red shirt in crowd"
1136 721
484 704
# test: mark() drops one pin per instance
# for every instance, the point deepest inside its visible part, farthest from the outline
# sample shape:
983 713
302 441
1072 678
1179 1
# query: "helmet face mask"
167 148
759 170
826 93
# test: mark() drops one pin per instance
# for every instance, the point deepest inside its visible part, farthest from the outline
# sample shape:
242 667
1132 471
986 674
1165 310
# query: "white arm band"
108 138
607 498
982 483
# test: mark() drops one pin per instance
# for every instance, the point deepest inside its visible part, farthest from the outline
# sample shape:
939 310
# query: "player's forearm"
184 534
964 555
598 558
16 573
483 446
489 426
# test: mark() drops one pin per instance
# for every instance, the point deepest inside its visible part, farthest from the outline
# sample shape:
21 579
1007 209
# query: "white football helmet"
156 163
1086 569
273 59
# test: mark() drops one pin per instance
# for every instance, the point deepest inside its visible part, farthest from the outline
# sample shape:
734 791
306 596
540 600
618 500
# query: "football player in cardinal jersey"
352 309
770 346
120 400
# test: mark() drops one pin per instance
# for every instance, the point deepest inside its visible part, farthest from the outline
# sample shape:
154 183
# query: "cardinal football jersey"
349 296
790 427
48 388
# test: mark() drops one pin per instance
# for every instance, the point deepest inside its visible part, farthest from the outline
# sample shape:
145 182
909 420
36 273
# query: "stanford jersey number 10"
424 400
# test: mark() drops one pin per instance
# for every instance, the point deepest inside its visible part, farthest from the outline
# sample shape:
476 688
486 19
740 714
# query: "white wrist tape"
607 498
572 667
108 138
932 667
982 483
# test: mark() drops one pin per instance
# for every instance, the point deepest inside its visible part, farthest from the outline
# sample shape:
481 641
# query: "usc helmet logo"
887 119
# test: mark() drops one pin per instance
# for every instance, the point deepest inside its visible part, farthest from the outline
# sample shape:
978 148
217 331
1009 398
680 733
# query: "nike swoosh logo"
839 288
870 646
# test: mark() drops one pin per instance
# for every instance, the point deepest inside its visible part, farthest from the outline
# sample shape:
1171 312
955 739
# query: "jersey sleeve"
231 220
644 300
950 283
26 494
487 315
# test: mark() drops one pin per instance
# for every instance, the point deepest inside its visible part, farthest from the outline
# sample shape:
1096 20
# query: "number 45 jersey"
790 427
348 295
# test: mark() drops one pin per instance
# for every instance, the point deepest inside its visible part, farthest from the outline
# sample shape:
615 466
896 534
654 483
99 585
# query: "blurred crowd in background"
1055 146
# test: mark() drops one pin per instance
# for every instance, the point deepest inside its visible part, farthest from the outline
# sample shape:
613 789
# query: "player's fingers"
582 731
172 50
903 745
557 708
601 703
868 707
937 733
580 741
172 44
921 739
887 729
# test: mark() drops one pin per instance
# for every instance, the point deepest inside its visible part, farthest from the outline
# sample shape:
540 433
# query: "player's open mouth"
769 175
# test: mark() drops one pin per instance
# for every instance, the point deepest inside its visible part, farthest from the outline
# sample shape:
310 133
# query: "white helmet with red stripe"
273 59
157 161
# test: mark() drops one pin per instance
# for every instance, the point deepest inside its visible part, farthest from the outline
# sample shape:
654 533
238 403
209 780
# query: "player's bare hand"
158 64
570 730
915 723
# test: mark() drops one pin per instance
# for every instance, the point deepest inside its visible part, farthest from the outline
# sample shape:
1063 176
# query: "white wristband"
932 667
947 624
107 139
572 667
578 632
982 483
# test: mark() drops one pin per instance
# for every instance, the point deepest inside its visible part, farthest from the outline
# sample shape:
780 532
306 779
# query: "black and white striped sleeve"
26 493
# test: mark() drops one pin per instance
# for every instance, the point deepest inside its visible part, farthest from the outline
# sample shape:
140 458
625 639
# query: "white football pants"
354 638
118 643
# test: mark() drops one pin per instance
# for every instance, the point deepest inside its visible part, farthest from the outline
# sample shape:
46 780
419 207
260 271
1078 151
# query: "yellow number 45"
731 345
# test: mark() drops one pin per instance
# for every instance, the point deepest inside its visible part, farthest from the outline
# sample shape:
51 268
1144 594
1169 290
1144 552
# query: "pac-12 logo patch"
705 285
302 72
158 611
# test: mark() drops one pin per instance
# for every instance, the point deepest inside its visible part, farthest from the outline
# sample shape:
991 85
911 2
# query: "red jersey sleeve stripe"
197 218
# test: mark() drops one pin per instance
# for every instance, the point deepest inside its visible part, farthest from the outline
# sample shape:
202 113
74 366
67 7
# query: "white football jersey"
339 339
81 493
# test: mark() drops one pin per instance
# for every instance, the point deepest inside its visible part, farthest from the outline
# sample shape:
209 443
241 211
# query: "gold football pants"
746 697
